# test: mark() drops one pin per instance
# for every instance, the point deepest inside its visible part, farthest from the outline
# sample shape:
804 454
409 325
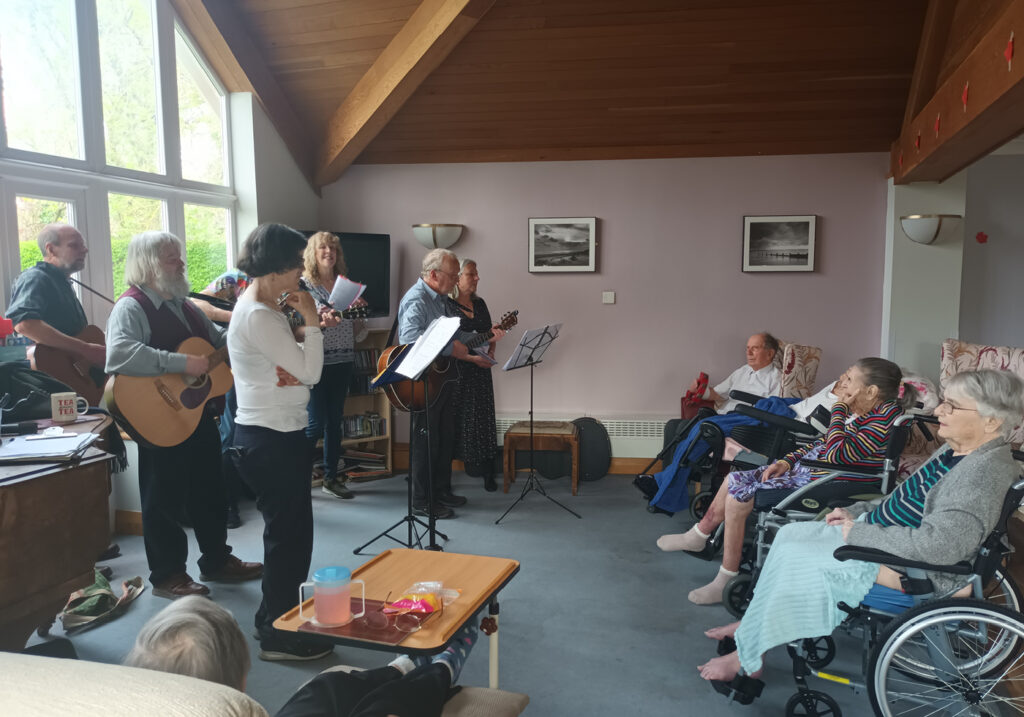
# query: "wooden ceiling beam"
947 135
217 28
431 33
930 51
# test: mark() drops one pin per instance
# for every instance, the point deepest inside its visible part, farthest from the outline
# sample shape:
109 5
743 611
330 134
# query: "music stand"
393 374
528 352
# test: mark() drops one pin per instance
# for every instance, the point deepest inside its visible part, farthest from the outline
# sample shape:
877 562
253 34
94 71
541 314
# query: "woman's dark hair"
888 377
271 249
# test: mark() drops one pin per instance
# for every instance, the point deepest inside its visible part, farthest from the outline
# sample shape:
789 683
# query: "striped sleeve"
863 441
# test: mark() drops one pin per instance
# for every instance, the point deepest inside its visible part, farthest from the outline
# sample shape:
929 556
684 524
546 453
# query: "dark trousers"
326 410
232 481
373 693
275 466
183 480
441 447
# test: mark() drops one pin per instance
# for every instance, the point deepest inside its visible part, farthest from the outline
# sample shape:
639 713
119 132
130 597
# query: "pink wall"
670 236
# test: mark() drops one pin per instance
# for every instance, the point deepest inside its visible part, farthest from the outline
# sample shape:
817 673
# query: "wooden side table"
547 436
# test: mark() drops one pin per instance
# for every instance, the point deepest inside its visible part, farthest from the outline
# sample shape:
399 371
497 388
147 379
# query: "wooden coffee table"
478 578
547 436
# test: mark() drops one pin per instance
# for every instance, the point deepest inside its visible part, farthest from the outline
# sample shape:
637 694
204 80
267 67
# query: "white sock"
692 540
403 664
711 594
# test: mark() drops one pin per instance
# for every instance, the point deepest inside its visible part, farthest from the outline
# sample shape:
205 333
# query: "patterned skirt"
743 484
476 432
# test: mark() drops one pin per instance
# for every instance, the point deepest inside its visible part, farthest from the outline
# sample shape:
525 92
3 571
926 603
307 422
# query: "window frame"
92 178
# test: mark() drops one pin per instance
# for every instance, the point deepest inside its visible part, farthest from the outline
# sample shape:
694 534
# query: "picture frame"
779 243
563 244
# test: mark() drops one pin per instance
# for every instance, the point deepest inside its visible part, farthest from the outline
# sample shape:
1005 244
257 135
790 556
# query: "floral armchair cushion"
919 446
960 356
799 366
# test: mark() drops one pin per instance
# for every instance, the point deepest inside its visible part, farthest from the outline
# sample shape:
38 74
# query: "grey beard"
175 286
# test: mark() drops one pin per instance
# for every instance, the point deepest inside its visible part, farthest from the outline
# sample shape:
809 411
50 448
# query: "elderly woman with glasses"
940 515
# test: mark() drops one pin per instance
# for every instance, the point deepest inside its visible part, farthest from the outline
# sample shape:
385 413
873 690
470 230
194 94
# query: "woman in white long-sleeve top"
270 440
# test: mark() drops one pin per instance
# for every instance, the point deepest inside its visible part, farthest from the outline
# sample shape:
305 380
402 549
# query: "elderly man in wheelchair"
953 656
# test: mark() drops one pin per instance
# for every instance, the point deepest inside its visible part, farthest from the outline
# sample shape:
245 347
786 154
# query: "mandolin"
80 375
408 395
165 410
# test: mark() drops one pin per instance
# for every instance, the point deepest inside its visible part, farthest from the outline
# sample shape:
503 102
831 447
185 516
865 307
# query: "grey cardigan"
960 511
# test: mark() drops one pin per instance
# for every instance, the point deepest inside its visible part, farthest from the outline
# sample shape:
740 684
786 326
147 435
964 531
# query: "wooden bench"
547 436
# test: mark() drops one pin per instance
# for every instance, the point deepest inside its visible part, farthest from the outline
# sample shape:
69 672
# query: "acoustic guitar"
164 410
80 375
408 395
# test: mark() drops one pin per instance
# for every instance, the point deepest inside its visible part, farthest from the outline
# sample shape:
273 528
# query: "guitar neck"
218 357
479 339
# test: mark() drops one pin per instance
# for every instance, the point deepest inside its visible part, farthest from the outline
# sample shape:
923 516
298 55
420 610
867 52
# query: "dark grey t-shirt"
43 292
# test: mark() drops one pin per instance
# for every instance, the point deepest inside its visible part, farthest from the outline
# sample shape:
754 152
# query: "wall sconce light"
925 228
437 236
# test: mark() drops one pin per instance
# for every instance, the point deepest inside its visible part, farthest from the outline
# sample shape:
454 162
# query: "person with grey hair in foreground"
144 330
940 515
198 638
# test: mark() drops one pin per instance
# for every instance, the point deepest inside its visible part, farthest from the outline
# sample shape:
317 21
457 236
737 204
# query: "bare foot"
720 633
721 668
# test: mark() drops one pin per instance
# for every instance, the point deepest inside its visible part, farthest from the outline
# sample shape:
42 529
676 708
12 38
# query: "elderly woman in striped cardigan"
939 516
871 396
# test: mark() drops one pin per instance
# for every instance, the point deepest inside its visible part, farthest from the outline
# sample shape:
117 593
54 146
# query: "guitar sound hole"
196 381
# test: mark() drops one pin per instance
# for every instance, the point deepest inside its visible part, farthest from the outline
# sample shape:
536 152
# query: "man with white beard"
145 327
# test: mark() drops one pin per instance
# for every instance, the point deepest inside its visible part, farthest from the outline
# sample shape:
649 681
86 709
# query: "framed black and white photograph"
779 243
568 244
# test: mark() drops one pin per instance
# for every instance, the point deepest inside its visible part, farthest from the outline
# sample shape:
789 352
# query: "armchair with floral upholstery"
799 366
958 356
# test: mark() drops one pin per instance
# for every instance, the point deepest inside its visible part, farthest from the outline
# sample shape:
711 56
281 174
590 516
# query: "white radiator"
638 437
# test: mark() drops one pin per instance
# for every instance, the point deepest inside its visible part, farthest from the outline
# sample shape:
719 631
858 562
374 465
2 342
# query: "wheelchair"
923 655
768 441
842 485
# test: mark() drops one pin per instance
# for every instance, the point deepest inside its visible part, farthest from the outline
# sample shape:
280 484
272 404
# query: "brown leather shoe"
234 571
179 586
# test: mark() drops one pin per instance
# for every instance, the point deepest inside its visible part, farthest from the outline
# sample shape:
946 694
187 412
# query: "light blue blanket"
799 590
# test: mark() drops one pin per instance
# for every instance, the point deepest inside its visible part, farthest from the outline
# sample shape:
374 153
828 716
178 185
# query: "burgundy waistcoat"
166 330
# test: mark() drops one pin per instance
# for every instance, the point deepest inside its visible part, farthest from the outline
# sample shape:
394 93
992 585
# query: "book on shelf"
367 473
363 455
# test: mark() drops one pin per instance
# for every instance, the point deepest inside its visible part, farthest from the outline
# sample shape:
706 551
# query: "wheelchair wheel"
737 594
700 503
820 651
955 656
812 703
1001 590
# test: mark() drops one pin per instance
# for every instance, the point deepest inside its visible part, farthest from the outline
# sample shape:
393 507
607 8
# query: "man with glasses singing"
425 301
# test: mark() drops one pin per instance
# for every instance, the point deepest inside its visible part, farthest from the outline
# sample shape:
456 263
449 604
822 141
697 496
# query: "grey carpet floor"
596 622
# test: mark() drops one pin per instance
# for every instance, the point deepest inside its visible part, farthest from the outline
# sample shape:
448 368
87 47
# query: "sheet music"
428 346
345 291
43 447
531 343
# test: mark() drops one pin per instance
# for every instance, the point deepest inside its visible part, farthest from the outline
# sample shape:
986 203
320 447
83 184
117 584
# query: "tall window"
39 57
112 96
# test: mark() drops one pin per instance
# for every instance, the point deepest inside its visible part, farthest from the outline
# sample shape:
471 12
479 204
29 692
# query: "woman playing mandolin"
475 426
270 437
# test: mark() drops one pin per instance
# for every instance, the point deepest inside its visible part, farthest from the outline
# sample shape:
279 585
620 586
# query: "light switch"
607 297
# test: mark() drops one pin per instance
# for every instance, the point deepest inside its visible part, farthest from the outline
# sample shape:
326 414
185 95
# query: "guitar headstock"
508 320
355 312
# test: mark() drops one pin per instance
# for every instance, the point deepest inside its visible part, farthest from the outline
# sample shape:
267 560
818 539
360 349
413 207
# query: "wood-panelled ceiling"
594 79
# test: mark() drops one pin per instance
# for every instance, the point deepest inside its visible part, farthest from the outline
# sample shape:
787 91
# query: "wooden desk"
53 523
547 436
478 577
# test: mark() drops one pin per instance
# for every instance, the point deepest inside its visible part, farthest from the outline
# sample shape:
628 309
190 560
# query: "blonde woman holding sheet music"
324 264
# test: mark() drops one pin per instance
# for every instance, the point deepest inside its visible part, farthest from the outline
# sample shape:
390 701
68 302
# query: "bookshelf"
368 415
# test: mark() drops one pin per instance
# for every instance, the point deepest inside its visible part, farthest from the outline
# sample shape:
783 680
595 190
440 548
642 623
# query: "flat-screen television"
368 257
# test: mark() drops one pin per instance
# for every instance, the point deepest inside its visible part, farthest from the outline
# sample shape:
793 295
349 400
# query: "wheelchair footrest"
726 645
741 689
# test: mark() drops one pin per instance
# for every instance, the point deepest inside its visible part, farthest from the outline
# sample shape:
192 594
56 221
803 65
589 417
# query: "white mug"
67 407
